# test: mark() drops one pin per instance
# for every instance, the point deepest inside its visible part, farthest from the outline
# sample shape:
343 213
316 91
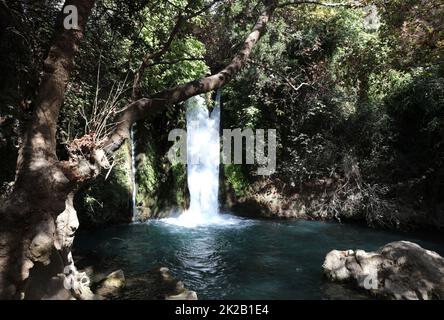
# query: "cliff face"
161 185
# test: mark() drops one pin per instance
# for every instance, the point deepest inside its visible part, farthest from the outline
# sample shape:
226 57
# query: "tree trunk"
37 221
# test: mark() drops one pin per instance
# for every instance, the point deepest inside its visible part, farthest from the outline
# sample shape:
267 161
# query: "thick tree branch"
146 107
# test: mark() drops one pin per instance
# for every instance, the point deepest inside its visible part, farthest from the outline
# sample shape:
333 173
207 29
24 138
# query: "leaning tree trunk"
38 221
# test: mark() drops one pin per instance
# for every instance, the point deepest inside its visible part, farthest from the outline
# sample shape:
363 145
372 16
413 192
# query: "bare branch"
204 9
285 78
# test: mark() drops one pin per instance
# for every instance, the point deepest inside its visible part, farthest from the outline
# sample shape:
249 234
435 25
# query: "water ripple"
247 260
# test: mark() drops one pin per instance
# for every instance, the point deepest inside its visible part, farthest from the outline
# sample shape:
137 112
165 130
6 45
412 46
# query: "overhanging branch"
147 107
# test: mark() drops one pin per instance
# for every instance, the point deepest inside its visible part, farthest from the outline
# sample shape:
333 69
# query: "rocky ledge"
398 270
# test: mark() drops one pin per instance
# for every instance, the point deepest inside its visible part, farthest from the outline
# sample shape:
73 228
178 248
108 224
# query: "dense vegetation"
356 96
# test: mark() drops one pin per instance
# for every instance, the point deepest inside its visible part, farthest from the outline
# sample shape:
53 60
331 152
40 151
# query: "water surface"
250 259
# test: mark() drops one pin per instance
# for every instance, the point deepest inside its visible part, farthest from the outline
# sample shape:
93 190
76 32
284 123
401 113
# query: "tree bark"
36 222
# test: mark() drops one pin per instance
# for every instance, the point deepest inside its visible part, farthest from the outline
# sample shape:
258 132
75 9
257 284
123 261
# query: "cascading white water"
203 157
133 175
203 152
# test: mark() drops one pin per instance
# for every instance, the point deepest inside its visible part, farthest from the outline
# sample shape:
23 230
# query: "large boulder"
398 270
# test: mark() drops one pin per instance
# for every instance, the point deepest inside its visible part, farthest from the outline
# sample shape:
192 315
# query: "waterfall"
203 152
133 175
203 157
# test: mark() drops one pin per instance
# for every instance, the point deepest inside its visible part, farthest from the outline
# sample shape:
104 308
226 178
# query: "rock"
112 285
156 284
144 213
275 199
186 295
398 270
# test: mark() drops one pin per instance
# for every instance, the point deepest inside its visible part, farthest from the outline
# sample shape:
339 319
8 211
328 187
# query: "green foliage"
384 85
179 177
356 97
188 47
237 179
147 176
417 112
